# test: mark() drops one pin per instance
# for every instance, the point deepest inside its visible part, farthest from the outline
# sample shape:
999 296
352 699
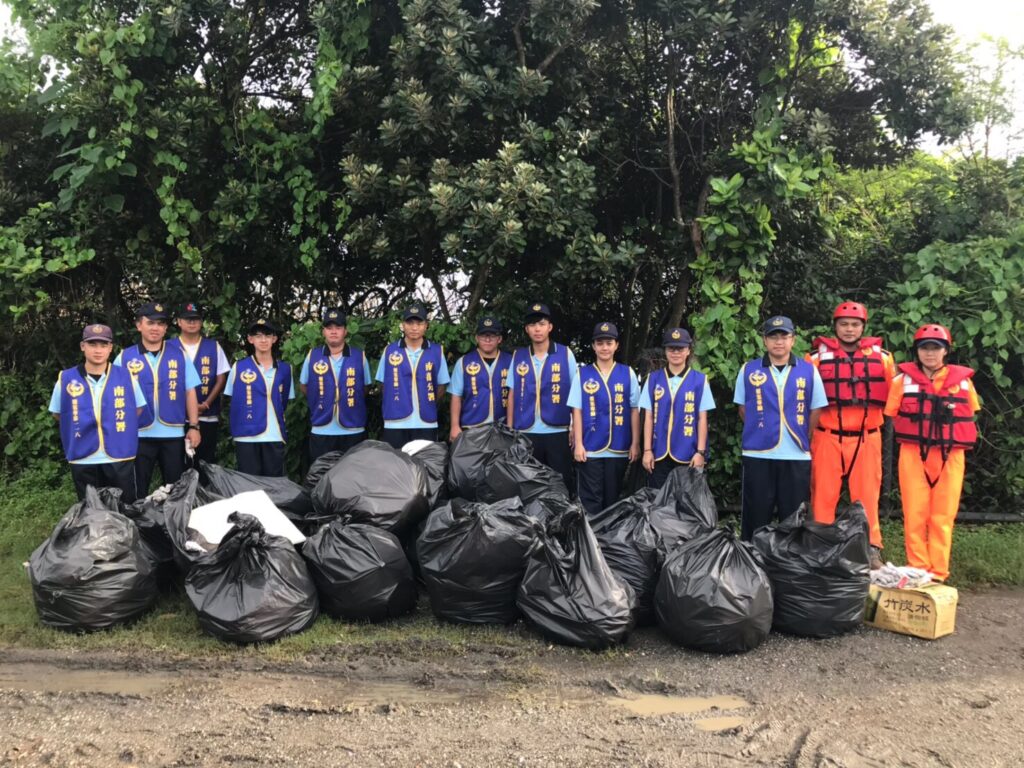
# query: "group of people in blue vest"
158 403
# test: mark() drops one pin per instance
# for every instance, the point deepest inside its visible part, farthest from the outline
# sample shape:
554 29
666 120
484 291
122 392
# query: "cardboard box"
927 612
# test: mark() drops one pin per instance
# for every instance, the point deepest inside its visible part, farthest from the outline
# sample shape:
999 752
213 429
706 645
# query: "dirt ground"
871 698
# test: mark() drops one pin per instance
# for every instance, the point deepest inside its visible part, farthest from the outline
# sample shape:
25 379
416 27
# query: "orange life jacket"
859 379
940 417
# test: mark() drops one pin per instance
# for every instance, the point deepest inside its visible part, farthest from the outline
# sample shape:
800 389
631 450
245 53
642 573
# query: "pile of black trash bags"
488 532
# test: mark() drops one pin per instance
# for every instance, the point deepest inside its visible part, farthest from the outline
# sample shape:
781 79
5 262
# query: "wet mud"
871 698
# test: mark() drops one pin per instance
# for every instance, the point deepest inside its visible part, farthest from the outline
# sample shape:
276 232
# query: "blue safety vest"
550 392
250 401
115 429
605 407
674 417
206 365
771 408
402 384
324 390
484 397
165 386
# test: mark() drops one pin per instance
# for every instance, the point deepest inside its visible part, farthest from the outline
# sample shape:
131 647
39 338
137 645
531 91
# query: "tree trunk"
647 306
682 292
479 286
627 315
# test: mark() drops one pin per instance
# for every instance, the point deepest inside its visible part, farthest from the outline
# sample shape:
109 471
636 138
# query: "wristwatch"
193 426
702 452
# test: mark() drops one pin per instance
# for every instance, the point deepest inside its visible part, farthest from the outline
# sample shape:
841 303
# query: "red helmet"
933 332
851 309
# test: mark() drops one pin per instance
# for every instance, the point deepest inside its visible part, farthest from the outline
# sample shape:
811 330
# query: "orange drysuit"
847 443
930 509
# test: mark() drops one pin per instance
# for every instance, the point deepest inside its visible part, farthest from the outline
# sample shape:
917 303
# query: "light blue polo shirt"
337 362
159 430
787 449
707 402
96 388
273 433
539 427
414 421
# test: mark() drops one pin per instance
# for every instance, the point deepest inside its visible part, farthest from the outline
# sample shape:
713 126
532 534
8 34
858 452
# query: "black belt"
847 432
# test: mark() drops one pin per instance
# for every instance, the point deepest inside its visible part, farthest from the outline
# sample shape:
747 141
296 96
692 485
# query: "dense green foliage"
655 162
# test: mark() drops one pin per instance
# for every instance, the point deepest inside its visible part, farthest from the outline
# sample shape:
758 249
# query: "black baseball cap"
777 324
605 331
676 337
190 310
535 312
415 312
335 316
488 324
152 310
97 332
265 325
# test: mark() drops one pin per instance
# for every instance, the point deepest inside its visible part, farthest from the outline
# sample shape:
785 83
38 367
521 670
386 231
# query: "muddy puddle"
719 723
653 704
283 692
50 679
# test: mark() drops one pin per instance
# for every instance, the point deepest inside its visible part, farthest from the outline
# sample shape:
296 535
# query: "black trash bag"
632 547
361 572
94 571
683 507
568 590
254 588
148 516
472 557
184 496
713 595
287 495
434 460
409 544
820 573
517 473
319 468
375 484
472 451
545 508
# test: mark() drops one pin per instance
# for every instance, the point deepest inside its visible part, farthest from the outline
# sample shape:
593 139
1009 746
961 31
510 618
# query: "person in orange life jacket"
208 357
333 379
847 444
98 406
169 380
260 387
676 430
478 386
605 422
933 406
780 398
413 373
539 382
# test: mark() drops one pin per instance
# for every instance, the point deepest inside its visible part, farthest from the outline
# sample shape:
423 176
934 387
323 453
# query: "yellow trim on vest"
611 410
672 416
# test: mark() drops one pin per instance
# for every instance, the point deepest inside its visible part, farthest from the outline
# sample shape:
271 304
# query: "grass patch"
983 555
31 504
